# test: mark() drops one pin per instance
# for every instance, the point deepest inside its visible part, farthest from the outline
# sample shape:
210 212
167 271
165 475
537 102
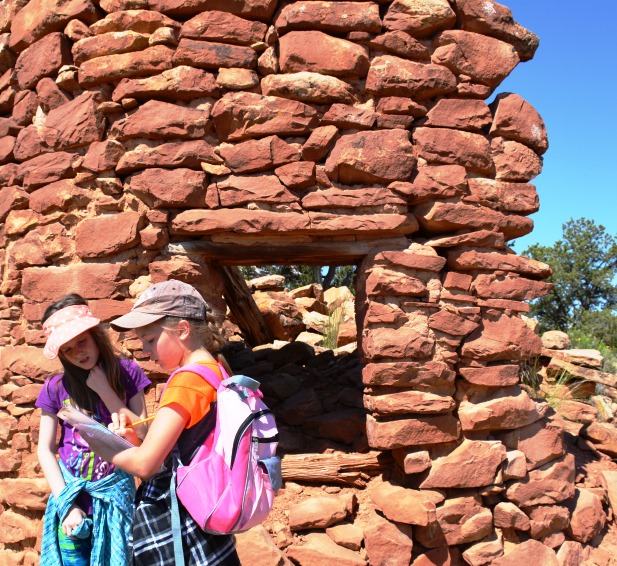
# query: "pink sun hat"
64 325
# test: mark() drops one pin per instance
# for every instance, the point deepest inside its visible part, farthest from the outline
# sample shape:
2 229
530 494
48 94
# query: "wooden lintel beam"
266 253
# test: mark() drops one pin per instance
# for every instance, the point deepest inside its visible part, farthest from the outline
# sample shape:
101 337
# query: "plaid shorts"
152 540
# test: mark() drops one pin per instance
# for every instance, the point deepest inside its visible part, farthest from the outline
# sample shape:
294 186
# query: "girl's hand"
73 518
97 381
120 424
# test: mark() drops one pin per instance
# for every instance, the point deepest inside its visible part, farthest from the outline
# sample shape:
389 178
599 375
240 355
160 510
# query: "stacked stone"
129 125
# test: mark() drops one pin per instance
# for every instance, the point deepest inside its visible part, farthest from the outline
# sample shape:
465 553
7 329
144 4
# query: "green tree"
584 295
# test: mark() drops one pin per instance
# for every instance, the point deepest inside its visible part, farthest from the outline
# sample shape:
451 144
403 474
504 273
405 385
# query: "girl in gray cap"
176 328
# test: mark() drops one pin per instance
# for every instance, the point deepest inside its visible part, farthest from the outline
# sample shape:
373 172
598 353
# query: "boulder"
459 114
161 120
108 68
546 485
346 535
431 376
404 402
472 464
495 409
496 20
520 198
394 76
483 59
47 168
502 338
139 20
398 433
223 27
468 259
336 17
401 44
180 83
517 120
403 505
387 543
42 59
603 436
547 519
528 552
238 190
76 123
107 234
12 198
319 143
251 9
258 155
244 115
90 280
555 340
317 52
506 515
42 17
320 512
541 442
371 157
419 17
110 43
514 161
256 547
164 188
189 154
319 548
213 55
460 520
588 517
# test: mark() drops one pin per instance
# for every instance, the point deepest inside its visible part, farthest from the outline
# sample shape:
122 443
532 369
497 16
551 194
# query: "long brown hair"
74 377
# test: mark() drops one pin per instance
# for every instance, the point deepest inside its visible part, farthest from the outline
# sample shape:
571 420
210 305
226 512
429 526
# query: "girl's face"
81 351
161 345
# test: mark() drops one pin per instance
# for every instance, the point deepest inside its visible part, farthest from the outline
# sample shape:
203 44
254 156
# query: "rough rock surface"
144 140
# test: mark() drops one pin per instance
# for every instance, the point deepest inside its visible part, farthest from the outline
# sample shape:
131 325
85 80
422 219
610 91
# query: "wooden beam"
256 252
242 306
347 469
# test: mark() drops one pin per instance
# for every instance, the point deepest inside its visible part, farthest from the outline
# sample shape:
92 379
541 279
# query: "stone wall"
143 139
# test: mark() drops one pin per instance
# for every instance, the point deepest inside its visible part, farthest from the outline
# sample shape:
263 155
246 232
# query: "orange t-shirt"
190 394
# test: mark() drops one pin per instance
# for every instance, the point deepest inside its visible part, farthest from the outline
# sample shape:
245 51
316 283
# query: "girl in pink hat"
90 510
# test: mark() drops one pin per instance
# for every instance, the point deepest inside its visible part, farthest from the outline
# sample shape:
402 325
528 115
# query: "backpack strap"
243 385
209 375
176 527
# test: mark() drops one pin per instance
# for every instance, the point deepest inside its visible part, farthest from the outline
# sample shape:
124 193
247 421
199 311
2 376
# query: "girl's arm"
145 460
46 452
137 406
136 410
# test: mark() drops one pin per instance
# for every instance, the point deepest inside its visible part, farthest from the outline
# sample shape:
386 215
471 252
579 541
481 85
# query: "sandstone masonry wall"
143 139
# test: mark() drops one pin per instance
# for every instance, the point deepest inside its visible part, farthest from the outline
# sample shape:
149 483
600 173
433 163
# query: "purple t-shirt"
73 451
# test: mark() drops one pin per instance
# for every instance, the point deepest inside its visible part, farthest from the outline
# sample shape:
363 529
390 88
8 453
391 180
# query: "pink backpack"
229 485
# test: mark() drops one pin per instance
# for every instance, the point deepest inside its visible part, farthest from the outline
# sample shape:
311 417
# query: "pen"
141 421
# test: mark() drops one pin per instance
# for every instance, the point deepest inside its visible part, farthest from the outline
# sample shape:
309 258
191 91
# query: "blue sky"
572 83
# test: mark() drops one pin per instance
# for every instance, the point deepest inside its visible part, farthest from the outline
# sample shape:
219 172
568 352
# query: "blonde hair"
207 331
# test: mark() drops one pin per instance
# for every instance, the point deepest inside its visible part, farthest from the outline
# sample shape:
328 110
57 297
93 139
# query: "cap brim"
134 319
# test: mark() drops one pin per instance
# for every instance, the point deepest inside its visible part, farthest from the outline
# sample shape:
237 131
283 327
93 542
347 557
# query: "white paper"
93 432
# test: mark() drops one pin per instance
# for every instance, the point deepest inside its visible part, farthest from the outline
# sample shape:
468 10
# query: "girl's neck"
198 355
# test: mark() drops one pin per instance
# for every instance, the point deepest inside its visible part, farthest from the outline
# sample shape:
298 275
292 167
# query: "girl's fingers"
114 424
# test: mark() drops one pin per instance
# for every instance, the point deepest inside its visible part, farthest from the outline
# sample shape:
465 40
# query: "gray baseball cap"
169 298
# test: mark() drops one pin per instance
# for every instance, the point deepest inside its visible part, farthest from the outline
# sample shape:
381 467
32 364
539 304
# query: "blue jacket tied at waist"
112 503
